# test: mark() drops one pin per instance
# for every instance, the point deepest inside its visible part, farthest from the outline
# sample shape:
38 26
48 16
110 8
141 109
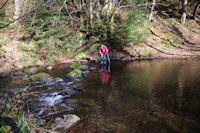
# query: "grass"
28 59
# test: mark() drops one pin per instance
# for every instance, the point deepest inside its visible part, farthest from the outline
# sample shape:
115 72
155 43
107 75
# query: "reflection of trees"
147 96
168 96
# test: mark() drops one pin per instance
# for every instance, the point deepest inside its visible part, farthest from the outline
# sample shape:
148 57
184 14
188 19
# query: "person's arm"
106 49
100 51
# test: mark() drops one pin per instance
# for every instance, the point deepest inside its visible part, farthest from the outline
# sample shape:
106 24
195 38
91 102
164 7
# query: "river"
133 97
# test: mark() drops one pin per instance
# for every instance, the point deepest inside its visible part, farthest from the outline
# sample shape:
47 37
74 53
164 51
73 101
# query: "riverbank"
168 39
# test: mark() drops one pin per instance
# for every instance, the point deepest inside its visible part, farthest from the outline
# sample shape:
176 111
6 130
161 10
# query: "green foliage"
135 27
72 45
80 55
48 31
135 2
29 59
21 122
41 43
10 109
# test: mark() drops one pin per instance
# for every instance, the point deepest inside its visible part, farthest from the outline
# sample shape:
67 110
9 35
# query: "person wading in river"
103 51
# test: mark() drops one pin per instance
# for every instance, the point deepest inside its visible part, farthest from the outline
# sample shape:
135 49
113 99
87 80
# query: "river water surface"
160 96
143 97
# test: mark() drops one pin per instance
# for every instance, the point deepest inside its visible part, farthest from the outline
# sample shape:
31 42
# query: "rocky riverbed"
46 93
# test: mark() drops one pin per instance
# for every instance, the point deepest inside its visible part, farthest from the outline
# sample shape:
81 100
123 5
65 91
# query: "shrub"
135 26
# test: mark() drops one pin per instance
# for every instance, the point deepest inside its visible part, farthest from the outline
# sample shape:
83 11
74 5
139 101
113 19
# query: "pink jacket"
104 50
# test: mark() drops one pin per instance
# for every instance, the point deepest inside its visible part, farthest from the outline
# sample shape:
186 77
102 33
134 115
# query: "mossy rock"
76 73
83 67
33 70
40 77
75 65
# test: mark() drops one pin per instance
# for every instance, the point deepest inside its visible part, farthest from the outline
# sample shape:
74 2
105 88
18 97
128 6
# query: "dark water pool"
142 97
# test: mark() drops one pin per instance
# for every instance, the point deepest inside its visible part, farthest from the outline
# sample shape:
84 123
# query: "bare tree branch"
3 5
42 4
69 13
33 21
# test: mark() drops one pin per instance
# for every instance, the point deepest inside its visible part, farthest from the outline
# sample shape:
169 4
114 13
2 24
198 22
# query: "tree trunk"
196 9
152 10
91 13
108 8
17 9
98 11
183 18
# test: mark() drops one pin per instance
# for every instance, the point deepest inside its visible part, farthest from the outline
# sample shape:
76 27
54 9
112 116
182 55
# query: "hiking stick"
108 58
109 67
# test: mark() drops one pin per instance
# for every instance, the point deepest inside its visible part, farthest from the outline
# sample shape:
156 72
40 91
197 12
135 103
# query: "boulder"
75 65
83 67
76 73
40 76
50 67
70 120
33 70
64 124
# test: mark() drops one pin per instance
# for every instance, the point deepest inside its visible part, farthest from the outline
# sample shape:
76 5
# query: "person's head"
102 46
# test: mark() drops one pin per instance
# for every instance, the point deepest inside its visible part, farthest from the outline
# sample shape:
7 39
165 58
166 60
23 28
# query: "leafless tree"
184 8
152 9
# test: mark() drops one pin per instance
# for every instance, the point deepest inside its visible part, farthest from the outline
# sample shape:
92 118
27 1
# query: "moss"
41 43
80 55
40 77
143 55
75 65
28 59
76 73
33 70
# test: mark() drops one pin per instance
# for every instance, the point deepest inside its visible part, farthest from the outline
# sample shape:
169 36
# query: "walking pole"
108 58
109 67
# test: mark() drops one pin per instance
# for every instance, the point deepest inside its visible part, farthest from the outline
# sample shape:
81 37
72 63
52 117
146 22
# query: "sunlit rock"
76 73
83 67
40 77
75 65
33 70
65 124
50 67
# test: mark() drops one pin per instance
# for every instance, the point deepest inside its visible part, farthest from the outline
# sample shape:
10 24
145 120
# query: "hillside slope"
168 39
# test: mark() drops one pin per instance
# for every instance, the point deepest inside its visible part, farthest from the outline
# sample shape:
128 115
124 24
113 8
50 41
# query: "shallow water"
142 97
159 96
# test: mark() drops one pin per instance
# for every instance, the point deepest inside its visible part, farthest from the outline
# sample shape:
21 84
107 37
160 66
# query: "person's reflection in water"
104 73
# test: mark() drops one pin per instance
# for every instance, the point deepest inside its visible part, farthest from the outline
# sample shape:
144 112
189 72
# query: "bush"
135 27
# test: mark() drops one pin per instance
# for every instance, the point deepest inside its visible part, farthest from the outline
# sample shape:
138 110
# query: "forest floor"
168 39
